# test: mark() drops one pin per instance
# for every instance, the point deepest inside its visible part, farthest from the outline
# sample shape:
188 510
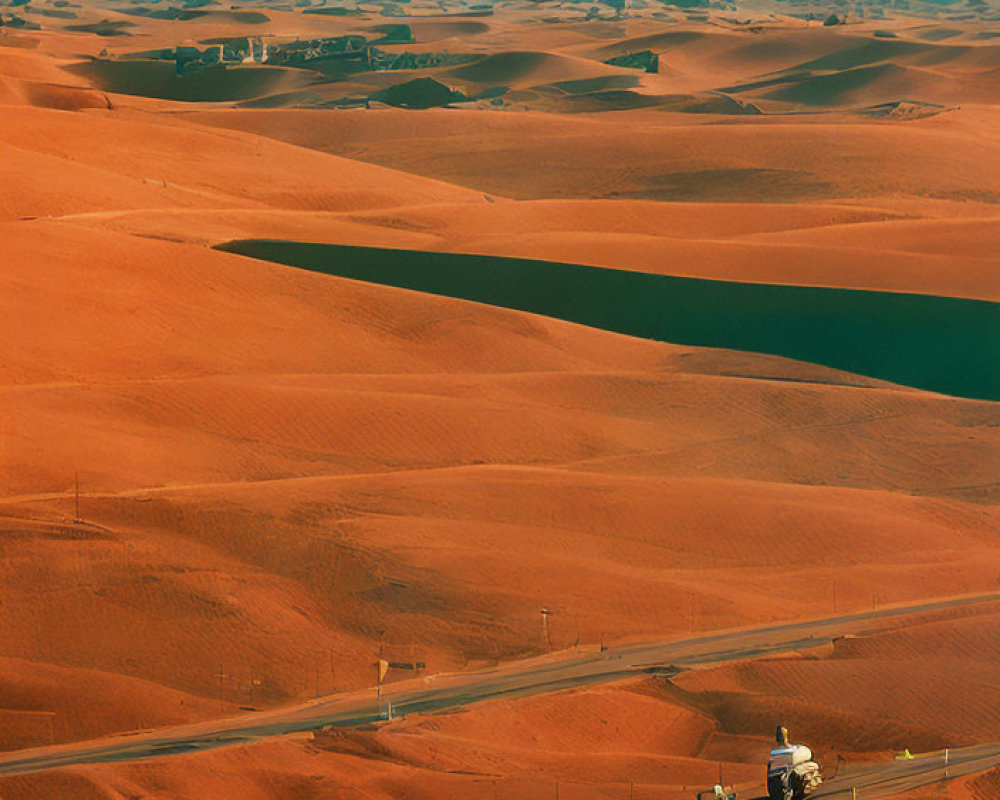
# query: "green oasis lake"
942 344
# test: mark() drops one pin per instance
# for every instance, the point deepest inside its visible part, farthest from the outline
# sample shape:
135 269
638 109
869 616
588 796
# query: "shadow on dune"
942 344
212 84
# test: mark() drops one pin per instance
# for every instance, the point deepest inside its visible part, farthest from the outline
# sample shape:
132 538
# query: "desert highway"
883 779
454 690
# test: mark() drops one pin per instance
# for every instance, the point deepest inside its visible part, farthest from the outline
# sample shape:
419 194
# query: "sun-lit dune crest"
251 174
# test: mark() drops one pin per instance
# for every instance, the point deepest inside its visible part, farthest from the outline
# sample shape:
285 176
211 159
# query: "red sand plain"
278 470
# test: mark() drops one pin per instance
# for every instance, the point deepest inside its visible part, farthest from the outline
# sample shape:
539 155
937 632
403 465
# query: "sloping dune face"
228 484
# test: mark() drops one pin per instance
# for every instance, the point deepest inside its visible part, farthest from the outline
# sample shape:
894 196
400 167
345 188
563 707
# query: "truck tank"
792 774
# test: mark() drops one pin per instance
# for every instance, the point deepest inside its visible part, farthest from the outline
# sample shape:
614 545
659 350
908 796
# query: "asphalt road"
520 678
874 781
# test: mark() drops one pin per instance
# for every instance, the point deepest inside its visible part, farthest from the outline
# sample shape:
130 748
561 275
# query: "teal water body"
942 344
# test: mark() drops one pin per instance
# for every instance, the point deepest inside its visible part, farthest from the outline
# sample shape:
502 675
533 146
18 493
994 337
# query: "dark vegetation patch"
645 60
393 34
19 23
419 93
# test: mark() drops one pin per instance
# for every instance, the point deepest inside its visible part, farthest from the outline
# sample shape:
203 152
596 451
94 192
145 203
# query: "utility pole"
76 498
946 763
379 672
221 675
546 640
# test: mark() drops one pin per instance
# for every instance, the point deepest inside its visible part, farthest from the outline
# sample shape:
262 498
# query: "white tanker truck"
791 772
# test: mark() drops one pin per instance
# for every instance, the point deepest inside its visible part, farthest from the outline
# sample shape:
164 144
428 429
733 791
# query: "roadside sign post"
383 668
253 682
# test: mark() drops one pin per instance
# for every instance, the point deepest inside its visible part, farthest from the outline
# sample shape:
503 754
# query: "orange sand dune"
815 244
974 238
134 434
445 225
743 260
885 676
29 64
64 98
523 70
279 472
141 322
76 699
229 169
710 58
684 160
